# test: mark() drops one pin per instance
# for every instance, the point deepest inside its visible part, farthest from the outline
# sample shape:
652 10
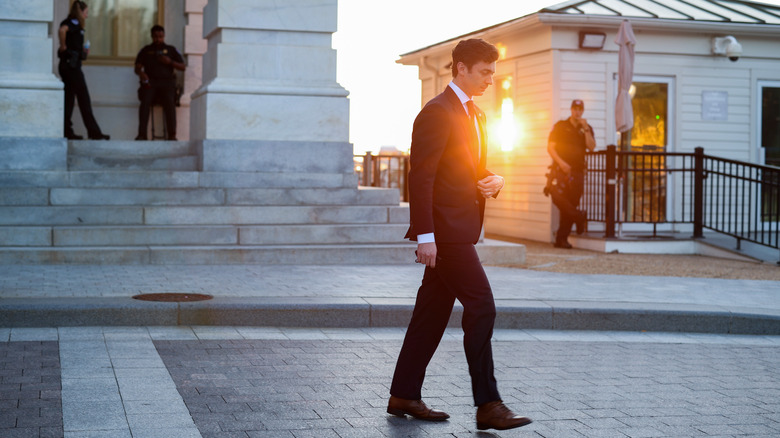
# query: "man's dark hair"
157 28
472 51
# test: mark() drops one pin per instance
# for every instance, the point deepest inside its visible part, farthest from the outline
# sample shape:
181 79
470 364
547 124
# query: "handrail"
384 170
727 196
731 197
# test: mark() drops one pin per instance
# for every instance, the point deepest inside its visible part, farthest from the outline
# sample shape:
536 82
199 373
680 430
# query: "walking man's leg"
463 273
429 320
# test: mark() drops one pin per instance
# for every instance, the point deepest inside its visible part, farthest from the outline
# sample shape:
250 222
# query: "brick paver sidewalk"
226 382
273 388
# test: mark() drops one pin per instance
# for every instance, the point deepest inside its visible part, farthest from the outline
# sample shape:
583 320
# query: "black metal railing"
735 198
742 200
389 171
645 185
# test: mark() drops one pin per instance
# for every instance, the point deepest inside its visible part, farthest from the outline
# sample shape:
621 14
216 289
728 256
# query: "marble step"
65 236
201 215
130 149
178 164
490 252
173 179
203 196
132 155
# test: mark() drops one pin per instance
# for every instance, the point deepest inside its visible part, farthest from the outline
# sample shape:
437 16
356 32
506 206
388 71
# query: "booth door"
646 196
769 140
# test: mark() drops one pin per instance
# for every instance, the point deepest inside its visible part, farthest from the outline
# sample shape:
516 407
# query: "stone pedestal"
31 97
269 74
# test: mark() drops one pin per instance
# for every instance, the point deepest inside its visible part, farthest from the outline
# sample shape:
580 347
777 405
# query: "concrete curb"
381 312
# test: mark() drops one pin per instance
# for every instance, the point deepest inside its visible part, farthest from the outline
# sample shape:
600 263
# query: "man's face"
477 79
576 112
158 37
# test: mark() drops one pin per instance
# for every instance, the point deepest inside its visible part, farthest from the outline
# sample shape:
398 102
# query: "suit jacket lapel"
472 148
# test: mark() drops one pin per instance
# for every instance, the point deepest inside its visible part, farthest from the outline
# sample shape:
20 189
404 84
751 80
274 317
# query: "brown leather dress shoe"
495 415
415 408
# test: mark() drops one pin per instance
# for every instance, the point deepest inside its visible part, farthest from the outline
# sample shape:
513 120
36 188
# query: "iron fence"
648 186
735 198
742 200
389 171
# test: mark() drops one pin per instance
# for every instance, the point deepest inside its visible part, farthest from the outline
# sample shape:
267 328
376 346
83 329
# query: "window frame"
115 60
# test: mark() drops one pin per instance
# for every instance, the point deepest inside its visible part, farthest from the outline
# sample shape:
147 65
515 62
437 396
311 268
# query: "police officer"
154 66
71 51
567 143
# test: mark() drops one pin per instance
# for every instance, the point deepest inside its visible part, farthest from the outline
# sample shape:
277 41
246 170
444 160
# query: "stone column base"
227 115
275 156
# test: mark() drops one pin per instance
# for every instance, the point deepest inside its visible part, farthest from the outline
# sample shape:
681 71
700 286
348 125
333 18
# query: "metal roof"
724 11
683 12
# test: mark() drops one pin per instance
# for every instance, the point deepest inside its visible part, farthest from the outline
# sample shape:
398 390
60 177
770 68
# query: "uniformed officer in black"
154 66
568 141
71 52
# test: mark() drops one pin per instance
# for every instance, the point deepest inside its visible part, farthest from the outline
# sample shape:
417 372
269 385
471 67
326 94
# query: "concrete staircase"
123 202
126 202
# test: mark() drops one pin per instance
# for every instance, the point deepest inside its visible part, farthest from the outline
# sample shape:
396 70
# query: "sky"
372 34
385 96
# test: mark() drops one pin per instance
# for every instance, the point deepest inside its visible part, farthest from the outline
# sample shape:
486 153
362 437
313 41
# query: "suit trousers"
458 274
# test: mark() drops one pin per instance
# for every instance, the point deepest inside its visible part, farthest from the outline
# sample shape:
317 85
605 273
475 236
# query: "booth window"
117 29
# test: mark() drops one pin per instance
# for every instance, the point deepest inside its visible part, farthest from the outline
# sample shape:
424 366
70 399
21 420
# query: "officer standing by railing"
567 143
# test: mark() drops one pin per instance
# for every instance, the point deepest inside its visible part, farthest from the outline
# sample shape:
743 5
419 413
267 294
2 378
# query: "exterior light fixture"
501 51
592 40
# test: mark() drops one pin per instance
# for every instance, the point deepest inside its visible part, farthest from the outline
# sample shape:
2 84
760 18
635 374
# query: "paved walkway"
308 351
252 382
377 296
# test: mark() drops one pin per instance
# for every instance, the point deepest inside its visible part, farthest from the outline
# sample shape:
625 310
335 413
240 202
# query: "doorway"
769 144
646 196
769 111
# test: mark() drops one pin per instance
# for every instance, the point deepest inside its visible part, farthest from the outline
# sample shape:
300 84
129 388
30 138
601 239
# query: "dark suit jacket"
445 168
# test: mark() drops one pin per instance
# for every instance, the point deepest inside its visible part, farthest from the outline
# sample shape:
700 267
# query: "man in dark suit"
448 186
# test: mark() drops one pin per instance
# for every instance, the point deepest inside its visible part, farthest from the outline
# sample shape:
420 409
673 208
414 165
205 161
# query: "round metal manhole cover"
173 297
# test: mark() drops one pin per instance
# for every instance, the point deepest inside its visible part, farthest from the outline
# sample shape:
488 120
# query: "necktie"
473 125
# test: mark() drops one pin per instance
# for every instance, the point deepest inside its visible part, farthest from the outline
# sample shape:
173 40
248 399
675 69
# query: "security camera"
733 50
727 46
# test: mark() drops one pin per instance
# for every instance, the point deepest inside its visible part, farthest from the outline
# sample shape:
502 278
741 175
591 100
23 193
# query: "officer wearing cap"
567 143
154 66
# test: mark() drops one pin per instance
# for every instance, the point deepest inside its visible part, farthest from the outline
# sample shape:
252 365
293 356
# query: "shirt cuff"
425 238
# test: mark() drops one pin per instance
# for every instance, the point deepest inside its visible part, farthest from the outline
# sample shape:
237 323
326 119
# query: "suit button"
476 202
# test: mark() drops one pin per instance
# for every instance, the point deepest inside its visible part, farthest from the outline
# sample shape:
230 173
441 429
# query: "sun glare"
507 128
501 51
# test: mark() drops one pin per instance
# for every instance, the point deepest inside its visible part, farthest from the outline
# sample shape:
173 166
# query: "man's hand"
490 185
164 59
565 167
426 254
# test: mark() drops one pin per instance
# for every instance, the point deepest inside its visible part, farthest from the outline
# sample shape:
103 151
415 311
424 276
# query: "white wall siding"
729 138
522 210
